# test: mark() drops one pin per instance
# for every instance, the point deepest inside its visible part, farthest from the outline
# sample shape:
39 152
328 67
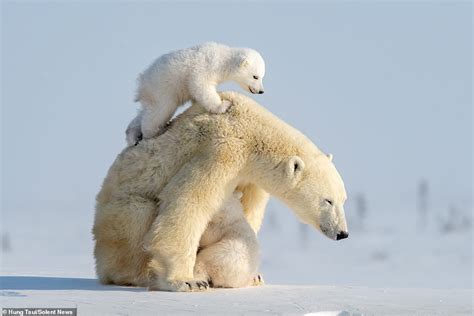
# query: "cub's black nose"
342 235
260 92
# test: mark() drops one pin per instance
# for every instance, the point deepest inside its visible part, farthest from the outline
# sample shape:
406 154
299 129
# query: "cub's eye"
328 201
255 77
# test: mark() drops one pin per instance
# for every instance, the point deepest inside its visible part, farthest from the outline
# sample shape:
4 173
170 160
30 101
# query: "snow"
93 299
389 248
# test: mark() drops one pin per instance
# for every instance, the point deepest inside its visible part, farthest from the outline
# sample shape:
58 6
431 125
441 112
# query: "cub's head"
313 188
250 71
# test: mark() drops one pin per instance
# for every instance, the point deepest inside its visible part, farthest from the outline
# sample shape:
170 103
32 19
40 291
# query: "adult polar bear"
159 196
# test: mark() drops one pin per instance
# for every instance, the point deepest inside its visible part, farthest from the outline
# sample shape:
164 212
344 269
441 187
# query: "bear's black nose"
260 92
342 235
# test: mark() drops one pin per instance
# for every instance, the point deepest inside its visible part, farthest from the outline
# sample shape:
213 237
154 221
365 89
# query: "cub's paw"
258 280
180 286
134 136
221 108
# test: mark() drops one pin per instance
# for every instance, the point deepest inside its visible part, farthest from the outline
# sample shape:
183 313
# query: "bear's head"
312 187
250 71
316 193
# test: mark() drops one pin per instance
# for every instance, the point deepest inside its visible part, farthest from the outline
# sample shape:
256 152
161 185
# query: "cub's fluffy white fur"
228 250
191 74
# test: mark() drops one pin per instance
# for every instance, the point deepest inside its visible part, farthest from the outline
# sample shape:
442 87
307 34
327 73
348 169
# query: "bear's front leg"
254 201
188 202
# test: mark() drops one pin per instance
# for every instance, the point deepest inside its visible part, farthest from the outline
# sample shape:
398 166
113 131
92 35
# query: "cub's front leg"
206 95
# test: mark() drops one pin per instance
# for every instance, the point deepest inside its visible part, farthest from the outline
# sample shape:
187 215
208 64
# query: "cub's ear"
244 62
294 166
329 156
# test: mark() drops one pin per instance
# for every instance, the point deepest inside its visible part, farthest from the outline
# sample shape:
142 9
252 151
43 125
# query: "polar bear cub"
228 253
191 74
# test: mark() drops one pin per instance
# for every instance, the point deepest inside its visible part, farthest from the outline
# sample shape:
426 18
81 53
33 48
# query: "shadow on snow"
54 283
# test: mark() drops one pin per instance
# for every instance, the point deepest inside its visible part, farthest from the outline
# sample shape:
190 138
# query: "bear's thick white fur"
160 195
228 251
192 74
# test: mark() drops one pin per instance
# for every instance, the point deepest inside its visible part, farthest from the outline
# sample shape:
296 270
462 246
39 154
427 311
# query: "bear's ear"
329 156
294 166
238 194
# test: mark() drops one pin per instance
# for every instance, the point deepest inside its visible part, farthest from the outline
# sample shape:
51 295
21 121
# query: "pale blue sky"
385 87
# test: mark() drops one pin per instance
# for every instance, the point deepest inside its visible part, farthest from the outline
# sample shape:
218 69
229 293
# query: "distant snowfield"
90 298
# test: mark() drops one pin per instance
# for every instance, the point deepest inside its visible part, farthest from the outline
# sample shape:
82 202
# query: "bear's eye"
328 201
255 77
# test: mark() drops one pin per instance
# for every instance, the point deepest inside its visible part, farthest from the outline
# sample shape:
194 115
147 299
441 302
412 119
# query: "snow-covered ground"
389 248
93 299
388 266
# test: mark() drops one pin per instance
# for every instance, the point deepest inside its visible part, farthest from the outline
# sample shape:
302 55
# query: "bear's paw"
180 286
